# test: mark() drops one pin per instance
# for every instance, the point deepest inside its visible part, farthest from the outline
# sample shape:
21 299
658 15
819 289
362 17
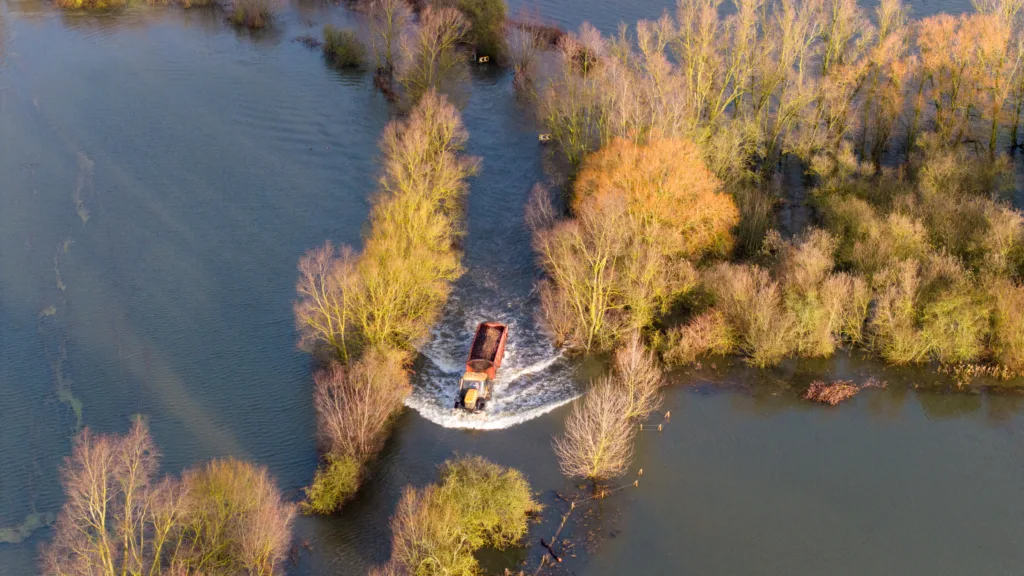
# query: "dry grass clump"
832 393
226 517
253 14
343 48
369 310
436 530
598 440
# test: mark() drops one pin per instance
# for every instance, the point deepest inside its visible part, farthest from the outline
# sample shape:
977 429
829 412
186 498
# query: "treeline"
366 311
226 517
677 134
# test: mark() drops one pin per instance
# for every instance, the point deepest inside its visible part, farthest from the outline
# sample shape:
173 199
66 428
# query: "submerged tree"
226 517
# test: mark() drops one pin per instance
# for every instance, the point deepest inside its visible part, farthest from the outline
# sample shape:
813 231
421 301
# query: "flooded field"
160 174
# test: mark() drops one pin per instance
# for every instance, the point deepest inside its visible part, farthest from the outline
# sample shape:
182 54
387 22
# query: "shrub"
343 48
486 25
333 485
598 439
752 304
355 405
437 529
252 13
706 335
956 322
894 329
1008 324
493 501
226 517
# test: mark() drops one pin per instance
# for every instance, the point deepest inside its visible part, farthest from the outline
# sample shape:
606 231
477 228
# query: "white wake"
533 379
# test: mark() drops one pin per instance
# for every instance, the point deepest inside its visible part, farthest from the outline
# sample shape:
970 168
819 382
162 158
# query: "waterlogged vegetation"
901 128
477 503
676 142
226 517
367 311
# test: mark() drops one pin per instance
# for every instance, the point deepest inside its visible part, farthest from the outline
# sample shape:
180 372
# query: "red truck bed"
488 348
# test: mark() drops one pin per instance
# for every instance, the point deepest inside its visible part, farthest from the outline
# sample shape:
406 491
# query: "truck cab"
474 391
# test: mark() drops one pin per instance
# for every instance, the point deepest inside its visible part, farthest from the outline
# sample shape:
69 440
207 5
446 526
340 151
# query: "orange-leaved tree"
669 191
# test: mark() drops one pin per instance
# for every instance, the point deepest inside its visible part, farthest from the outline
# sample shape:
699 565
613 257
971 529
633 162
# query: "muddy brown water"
160 174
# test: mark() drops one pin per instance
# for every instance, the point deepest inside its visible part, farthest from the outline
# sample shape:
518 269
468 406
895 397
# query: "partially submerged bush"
343 48
708 334
598 439
252 13
636 373
333 484
436 530
752 303
486 25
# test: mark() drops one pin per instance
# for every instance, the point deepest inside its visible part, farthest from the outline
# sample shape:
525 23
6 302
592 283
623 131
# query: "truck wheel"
480 404
456 403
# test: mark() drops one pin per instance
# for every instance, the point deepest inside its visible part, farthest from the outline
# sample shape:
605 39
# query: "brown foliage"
225 518
832 393
667 189
705 335
598 438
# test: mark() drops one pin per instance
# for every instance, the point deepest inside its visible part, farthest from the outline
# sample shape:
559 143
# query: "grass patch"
254 14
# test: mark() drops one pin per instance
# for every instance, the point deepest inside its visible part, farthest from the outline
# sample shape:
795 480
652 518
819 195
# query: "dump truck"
485 356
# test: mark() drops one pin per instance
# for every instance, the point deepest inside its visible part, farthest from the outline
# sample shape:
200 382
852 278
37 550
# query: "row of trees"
224 518
367 311
436 529
798 77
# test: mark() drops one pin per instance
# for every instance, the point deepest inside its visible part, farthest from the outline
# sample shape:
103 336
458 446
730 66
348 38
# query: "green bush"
343 47
956 323
494 502
1008 324
437 529
332 485
251 13
894 330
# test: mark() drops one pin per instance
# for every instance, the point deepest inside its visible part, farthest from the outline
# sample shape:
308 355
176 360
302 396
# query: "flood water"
160 175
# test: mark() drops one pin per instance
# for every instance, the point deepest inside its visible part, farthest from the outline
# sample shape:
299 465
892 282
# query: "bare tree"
327 289
636 371
227 518
355 405
388 20
598 439
430 57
